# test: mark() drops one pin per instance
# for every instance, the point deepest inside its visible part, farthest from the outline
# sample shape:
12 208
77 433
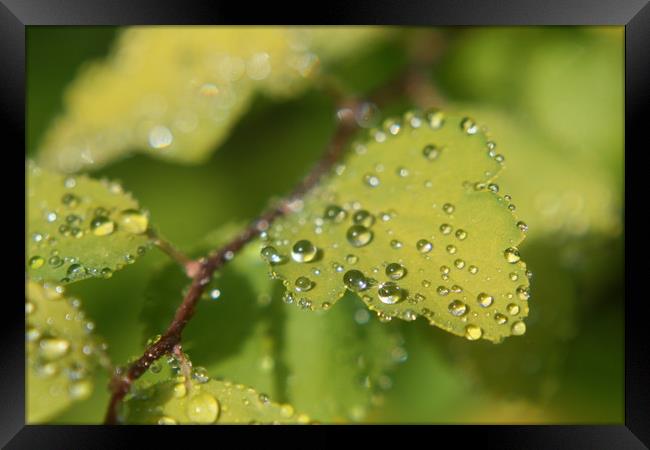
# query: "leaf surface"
62 353
412 221
78 227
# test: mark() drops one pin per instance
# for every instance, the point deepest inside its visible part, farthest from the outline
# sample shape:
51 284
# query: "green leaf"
62 353
412 222
330 365
175 93
338 361
80 228
213 402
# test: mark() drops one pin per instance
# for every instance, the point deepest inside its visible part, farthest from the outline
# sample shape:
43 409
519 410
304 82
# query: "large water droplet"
518 328
395 271
160 137
512 255
457 308
358 235
335 213
390 293
303 251
484 299
133 221
53 348
36 262
355 280
364 218
271 255
468 125
202 408
303 284
473 332
431 152
102 226
423 246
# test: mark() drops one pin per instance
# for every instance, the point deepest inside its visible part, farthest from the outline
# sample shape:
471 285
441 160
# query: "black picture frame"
15 15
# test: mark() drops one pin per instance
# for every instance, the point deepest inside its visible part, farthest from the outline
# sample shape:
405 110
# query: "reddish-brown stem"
412 83
121 382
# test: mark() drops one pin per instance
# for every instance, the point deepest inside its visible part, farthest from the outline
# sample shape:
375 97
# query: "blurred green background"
554 96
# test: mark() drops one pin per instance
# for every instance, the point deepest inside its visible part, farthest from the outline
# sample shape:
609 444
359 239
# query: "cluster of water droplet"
53 234
396 285
61 350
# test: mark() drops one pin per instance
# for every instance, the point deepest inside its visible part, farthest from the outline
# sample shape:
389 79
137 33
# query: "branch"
122 381
413 82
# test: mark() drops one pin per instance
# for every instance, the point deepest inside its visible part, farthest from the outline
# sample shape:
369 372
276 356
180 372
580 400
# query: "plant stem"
122 381
412 83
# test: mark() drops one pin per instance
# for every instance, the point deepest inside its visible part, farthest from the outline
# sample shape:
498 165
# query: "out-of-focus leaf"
79 228
412 222
556 191
62 353
338 361
175 92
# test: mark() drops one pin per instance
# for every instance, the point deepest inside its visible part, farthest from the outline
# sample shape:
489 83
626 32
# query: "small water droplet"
500 318
448 208
445 228
371 180
70 200
335 213
364 218
523 292
522 226
396 244
431 152
513 309
55 261
451 249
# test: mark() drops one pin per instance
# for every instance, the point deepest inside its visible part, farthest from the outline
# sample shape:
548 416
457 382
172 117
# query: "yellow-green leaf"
62 353
175 92
412 221
79 228
213 402
338 361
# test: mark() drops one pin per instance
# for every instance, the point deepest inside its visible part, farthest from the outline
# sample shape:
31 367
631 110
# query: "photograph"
325 225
